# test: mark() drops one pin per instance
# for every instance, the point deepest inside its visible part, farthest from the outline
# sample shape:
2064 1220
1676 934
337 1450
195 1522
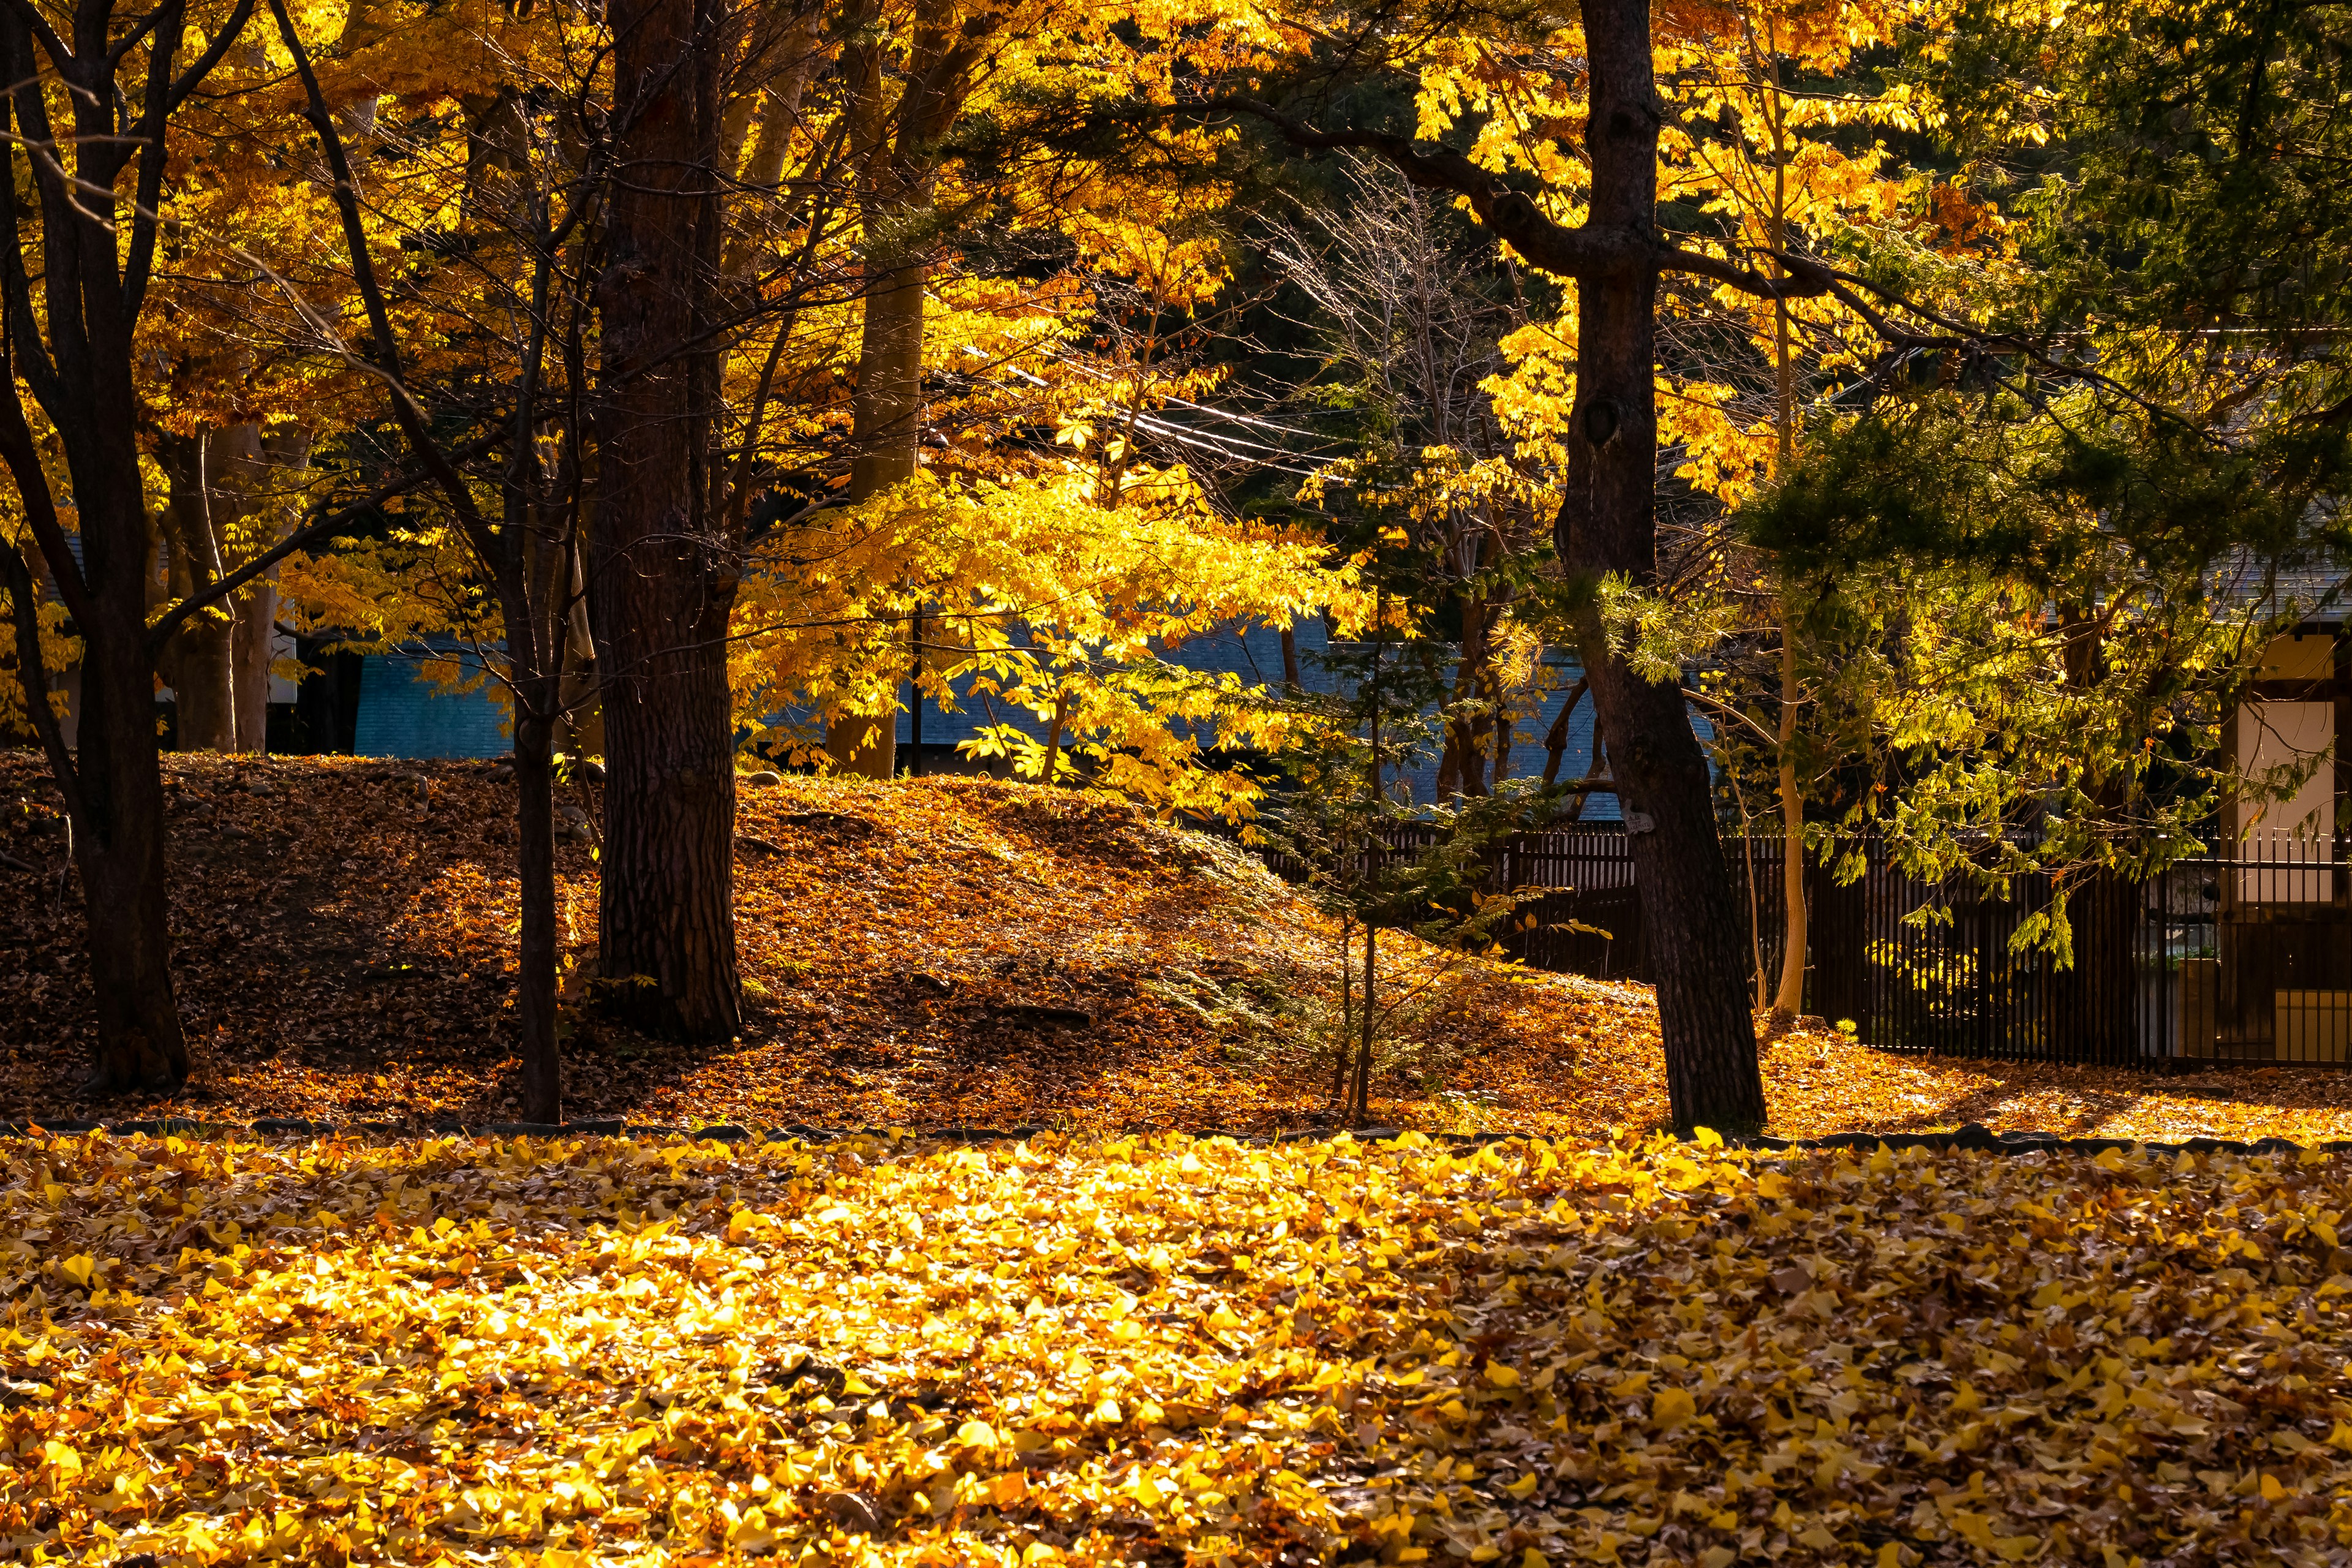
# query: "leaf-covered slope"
916 953
936 953
1167 1351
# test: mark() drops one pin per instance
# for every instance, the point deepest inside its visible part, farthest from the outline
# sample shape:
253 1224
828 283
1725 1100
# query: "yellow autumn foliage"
1034 601
883 1350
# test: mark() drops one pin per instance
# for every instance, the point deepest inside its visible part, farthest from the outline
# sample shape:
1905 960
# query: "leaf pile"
1164 1351
914 953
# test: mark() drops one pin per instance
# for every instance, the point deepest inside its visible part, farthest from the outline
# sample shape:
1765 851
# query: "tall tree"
1770 106
904 86
1562 120
663 568
523 551
88 244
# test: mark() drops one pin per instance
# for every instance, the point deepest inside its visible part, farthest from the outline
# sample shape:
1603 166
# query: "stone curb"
1973 1137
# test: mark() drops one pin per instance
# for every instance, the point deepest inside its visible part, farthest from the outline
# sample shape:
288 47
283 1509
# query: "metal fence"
2240 957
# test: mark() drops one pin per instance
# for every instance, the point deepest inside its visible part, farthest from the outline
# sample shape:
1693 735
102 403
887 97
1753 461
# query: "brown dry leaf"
348 959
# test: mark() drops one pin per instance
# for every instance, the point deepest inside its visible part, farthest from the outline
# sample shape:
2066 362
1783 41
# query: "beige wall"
2274 734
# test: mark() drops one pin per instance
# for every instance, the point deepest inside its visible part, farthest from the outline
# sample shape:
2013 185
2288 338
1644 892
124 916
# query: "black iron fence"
2239 956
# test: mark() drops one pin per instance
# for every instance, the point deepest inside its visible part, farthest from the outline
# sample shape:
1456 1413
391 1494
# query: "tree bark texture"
535 1004
95 254
198 661
885 419
251 641
1608 524
663 571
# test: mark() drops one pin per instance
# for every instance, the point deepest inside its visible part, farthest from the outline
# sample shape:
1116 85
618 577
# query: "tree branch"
1580 252
38 25
33 677
387 344
310 534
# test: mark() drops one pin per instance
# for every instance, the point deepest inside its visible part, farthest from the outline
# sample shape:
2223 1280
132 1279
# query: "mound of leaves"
941 951
1170 1351
929 953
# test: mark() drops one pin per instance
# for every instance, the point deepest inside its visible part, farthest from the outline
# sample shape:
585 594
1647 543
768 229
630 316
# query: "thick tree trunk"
895 142
76 357
668 932
119 831
663 573
203 685
886 416
118 849
1690 908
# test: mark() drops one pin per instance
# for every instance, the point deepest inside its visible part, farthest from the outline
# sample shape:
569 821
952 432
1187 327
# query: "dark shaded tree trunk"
198 667
667 935
96 256
116 808
1690 910
118 829
663 571
251 641
530 556
535 1003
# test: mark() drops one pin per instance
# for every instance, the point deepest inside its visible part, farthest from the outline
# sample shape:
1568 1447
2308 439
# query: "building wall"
1255 657
2295 717
404 714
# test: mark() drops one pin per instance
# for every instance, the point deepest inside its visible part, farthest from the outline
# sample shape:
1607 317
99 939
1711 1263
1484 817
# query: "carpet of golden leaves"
342 934
1164 1351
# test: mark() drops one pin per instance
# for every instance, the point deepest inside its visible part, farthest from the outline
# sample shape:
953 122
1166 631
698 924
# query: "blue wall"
1256 658
403 714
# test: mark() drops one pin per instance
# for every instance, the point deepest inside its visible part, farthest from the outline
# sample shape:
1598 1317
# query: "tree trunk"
886 416
669 866
201 672
895 143
218 664
1790 999
535 1008
1690 908
199 661
663 572
76 357
249 645
119 831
